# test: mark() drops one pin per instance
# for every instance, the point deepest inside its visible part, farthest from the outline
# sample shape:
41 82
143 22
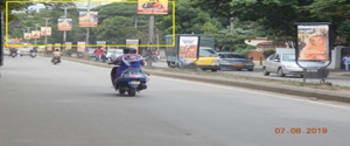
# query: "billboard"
101 43
46 31
134 44
313 45
49 47
188 48
88 19
81 47
68 46
27 36
35 34
152 7
64 24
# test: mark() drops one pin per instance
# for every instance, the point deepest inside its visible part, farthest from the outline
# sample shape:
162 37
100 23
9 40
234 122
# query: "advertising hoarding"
27 36
313 48
46 31
134 43
159 7
35 34
188 48
88 19
313 42
81 47
68 46
64 24
49 47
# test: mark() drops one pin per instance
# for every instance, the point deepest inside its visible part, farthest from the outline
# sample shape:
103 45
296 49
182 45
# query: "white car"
113 54
24 51
6 51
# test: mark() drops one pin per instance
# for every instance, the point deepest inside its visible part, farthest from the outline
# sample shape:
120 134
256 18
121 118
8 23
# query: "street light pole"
150 40
88 29
36 28
65 32
46 23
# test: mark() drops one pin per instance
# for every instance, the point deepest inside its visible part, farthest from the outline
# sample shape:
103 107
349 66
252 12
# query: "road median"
312 91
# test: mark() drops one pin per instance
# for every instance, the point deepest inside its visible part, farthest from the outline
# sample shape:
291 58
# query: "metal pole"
46 23
2 32
150 40
36 28
28 30
64 32
88 29
231 25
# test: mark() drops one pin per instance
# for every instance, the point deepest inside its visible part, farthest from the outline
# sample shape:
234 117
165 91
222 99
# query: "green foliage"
117 29
277 17
189 20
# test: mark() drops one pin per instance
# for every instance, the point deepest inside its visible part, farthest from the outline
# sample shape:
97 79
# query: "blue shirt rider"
129 60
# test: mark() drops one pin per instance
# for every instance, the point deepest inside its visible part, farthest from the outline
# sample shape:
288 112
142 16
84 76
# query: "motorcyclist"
57 55
129 60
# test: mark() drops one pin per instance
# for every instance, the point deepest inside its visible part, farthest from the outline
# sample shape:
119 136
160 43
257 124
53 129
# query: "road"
74 104
332 78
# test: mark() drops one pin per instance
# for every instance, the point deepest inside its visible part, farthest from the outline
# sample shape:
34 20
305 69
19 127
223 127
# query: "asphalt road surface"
74 104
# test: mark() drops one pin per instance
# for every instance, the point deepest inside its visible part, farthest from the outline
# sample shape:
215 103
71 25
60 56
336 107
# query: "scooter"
56 60
33 54
13 54
131 80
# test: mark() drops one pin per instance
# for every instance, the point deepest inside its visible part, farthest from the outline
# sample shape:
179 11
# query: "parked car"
113 54
282 63
235 61
6 51
24 51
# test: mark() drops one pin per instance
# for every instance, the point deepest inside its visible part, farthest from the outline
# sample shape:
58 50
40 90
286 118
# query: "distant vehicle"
25 51
41 49
283 63
91 51
208 58
234 61
113 54
6 52
33 53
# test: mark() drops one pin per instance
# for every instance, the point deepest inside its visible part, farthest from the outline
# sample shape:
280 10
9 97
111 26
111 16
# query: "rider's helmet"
129 51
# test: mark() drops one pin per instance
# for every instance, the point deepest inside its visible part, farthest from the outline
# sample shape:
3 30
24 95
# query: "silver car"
282 63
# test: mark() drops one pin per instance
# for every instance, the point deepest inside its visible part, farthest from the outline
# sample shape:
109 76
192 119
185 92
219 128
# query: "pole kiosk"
46 23
64 32
150 40
313 49
35 40
87 28
28 31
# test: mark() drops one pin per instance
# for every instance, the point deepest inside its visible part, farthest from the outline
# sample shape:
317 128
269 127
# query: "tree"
116 29
277 17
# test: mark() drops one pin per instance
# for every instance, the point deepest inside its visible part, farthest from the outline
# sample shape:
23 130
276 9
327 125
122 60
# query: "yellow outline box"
63 45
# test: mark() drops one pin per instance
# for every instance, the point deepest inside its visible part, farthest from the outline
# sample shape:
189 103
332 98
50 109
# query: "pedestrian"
346 60
98 53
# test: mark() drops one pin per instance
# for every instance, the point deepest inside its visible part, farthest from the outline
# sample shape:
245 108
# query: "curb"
271 87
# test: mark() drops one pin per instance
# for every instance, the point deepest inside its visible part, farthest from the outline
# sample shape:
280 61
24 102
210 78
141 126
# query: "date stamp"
310 131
